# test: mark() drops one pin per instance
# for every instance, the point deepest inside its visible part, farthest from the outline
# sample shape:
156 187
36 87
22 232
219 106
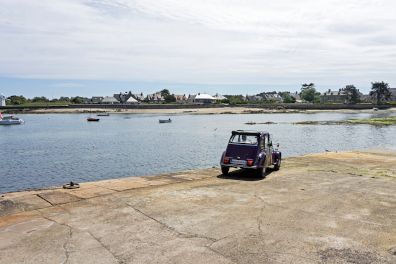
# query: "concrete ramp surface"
322 208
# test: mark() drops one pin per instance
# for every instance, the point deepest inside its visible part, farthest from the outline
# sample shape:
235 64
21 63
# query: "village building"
337 96
110 100
272 96
393 92
122 97
366 98
96 100
219 97
155 98
296 96
2 100
201 99
132 100
265 96
340 97
180 98
140 97
254 98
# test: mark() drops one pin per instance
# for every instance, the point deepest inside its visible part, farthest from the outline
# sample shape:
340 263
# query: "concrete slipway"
323 208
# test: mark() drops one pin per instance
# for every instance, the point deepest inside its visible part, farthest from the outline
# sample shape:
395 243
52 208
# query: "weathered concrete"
325 208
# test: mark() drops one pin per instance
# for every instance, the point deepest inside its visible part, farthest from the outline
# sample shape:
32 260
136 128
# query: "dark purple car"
250 150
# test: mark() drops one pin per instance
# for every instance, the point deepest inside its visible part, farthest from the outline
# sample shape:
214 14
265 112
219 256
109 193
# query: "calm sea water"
53 149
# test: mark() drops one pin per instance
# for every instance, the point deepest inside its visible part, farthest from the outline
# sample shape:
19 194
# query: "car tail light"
226 160
249 162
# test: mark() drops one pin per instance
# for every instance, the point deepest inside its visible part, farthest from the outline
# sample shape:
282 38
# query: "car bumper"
240 166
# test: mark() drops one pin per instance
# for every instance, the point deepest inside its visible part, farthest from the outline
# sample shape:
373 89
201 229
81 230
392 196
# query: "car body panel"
242 151
261 155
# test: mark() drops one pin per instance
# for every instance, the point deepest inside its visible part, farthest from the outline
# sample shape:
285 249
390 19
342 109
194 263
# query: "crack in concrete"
209 246
260 221
39 196
70 234
120 261
259 217
181 234
67 252
107 188
219 253
184 235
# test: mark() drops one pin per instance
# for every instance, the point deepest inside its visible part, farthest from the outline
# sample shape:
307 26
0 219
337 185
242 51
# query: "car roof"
249 132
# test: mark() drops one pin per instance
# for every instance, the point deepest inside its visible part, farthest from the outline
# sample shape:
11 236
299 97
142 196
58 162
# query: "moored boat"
92 119
103 114
165 120
10 120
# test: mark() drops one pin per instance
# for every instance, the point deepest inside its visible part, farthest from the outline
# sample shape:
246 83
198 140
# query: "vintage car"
250 150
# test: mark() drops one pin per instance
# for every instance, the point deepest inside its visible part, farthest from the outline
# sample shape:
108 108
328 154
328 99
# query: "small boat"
375 109
10 120
103 114
92 119
165 120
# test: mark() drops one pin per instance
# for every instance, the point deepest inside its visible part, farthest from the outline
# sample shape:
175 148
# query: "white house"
132 100
219 97
201 99
109 100
2 100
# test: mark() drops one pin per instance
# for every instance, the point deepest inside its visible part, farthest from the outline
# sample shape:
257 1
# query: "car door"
268 151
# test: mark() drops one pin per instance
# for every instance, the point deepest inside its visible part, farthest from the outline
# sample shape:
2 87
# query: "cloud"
217 41
67 85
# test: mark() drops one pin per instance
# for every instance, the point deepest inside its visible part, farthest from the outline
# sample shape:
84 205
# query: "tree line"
21 100
379 91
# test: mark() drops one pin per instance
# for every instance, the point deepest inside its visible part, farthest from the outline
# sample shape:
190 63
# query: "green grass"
385 121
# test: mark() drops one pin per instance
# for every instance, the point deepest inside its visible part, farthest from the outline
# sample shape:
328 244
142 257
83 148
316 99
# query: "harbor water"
52 149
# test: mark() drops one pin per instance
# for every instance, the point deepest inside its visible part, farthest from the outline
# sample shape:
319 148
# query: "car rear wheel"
278 164
225 170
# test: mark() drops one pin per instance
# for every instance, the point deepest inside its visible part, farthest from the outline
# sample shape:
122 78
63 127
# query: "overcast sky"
54 47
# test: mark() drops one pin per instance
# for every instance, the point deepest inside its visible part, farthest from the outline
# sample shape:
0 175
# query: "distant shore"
191 109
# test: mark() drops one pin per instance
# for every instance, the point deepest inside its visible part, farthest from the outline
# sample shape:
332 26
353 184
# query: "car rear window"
244 139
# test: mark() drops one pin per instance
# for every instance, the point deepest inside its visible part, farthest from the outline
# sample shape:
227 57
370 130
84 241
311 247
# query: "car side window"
267 141
262 143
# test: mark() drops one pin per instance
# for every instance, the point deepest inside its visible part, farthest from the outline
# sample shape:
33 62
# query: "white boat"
10 120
